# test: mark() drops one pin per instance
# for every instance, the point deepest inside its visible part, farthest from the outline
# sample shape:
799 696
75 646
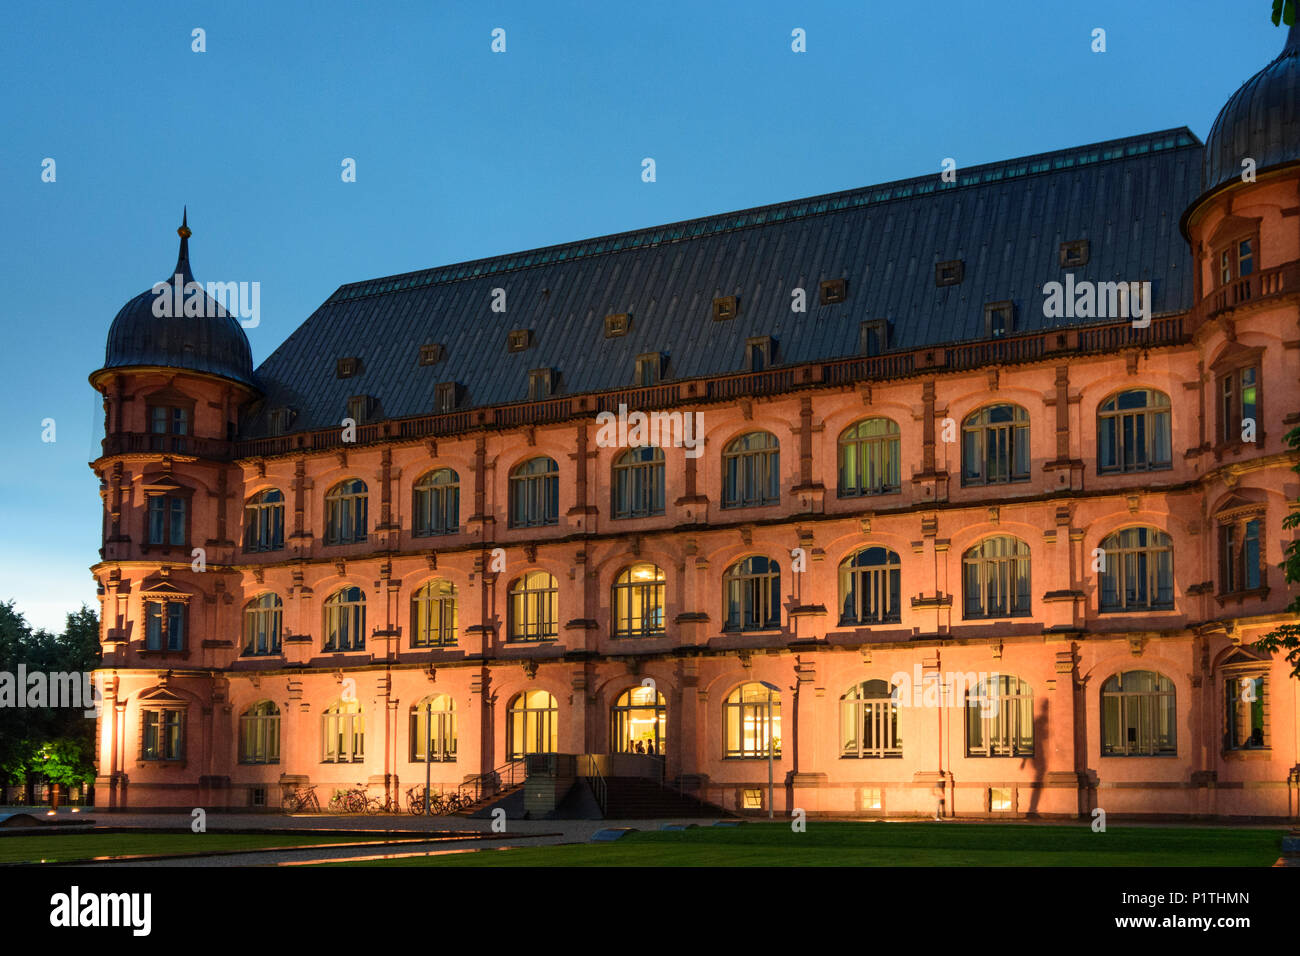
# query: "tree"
1283 12
1287 637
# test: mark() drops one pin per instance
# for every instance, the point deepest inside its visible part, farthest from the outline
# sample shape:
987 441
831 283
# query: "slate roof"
1005 220
1261 121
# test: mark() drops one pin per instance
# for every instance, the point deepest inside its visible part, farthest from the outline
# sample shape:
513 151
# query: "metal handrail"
489 784
599 788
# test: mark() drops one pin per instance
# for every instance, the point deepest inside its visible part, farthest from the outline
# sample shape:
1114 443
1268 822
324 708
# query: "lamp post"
771 788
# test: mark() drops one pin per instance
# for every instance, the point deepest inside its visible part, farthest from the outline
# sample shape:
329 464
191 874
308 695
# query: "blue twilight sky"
463 153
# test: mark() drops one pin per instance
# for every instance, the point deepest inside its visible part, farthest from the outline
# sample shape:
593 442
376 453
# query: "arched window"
869 458
343 733
870 586
640 722
264 521
1137 571
437 503
1133 432
262 617
433 729
345 512
751 721
751 471
995 446
751 595
532 614
1138 715
639 483
1000 718
639 601
533 725
345 620
869 721
433 615
535 494
995 578
259 733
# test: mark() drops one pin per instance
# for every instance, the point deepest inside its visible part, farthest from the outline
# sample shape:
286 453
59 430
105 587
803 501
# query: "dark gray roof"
213 342
1005 220
1261 121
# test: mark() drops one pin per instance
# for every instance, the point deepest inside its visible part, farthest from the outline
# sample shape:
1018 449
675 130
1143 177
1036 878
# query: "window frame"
637 488
1005 579
1145 700
750 586
534 496
871 710
881 454
263 731
1016 432
534 595
644 601
442 594
171 750
878 584
751 477
1125 423
264 516
435 503
336 606
737 712
1117 558
347 518
255 625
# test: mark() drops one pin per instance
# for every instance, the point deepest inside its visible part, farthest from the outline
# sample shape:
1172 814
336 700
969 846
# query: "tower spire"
183 258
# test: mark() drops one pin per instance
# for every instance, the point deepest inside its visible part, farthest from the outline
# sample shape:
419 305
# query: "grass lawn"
31 849
895 844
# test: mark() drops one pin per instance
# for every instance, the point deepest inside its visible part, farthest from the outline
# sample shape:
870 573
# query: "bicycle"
415 801
349 801
300 800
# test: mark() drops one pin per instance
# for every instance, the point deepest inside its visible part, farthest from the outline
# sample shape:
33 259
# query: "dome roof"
212 341
1261 121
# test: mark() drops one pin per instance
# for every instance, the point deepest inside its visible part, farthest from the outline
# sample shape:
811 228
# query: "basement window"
431 354
725 308
1074 253
833 291
518 340
950 272
617 324
347 367
999 319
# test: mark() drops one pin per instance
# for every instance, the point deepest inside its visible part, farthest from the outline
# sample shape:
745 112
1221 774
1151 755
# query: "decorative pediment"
162 484
161 695
163 591
1243 656
1236 355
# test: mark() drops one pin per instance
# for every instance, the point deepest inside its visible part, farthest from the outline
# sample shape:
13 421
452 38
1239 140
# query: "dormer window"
541 382
873 337
347 367
359 408
518 340
758 353
1074 253
444 397
999 319
647 369
833 291
279 420
949 273
616 325
431 354
725 308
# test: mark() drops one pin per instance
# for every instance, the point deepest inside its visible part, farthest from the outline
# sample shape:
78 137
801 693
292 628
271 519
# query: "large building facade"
928 541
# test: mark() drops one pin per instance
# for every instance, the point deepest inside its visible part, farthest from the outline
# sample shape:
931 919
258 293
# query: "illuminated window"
259 733
1138 715
433 729
433 615
1238 403
639 602
640 722
752 721
1245 725
533 725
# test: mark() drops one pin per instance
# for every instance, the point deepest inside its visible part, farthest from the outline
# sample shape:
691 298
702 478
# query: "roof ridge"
1177 137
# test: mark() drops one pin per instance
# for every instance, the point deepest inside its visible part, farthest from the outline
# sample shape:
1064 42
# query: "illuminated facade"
994 561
